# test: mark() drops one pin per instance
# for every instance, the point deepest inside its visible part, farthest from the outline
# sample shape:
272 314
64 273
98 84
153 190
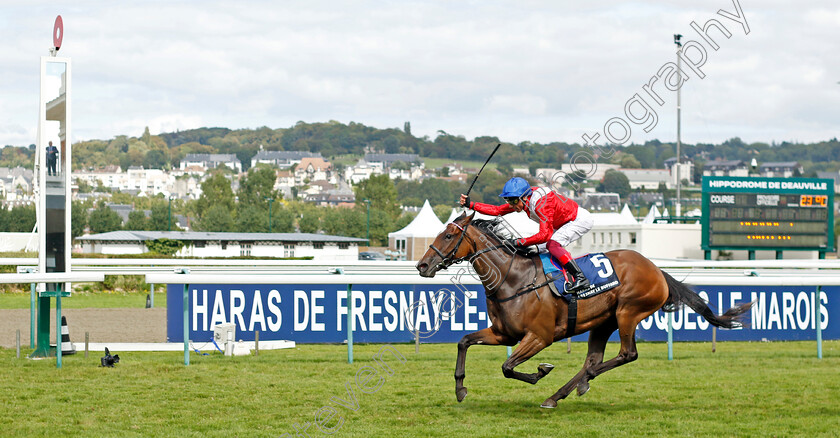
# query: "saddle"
596 267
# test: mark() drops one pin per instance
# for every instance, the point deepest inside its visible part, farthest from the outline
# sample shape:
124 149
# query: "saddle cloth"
596 267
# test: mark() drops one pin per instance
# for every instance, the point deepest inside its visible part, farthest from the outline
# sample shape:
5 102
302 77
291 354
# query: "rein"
448 260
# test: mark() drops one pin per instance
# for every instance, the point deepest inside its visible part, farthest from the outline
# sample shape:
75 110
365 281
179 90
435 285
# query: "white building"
784 169
211 161
726 168
383 161
147 181
150 181
361 172
282 159
311 169
648 179
558 177
209 244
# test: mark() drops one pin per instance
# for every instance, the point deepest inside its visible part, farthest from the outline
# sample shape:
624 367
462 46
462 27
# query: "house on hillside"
601 202
282 159
383 161
648 179
361 172
680 172
784 169
313 169
834 176
726 168
211 161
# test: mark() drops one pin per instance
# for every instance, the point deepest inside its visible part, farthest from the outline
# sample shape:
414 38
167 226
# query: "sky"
539 71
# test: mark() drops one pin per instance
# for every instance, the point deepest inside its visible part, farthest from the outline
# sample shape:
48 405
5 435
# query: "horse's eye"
448 236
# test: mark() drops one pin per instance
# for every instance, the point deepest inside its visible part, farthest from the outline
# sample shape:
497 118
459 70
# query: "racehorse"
522 308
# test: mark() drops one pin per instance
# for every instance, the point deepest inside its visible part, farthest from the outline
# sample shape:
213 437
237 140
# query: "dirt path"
104 325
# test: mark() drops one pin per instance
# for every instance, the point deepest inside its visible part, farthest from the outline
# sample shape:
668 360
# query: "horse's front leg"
487 337
530 345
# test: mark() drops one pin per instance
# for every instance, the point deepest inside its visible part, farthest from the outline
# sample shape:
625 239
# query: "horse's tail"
679 294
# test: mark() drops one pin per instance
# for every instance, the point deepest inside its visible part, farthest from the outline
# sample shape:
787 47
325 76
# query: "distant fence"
305 302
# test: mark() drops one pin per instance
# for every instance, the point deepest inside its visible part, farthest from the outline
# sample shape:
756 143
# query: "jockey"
561 221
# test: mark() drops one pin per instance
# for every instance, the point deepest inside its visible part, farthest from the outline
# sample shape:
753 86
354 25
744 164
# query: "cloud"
529 70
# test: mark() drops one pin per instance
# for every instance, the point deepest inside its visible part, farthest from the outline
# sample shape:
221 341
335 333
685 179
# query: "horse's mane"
489 227
495 229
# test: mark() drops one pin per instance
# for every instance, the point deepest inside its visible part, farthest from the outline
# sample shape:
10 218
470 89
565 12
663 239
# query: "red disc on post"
58 32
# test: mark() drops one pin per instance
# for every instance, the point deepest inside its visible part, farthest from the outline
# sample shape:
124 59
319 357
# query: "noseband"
448 260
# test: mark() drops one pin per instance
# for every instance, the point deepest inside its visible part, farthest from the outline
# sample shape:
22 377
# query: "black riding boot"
579 281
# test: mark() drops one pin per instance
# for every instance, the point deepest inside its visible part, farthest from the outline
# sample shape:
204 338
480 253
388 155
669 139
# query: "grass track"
745 389
89 300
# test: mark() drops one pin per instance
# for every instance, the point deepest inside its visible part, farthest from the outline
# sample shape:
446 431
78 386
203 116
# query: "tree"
282 220
630 162
252 219
217 218
22 218
505 168
137 221
104 220
404 220
309 218
443 211
257 185
381 192
615 182
78 218
155 159
146 137
345 222
381 224
160 217
215 191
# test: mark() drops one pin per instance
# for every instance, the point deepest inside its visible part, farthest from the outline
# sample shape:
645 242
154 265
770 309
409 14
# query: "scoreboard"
746 213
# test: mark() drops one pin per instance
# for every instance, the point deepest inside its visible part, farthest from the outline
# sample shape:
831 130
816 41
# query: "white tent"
452 216
652 214
425 224
411 242
627 214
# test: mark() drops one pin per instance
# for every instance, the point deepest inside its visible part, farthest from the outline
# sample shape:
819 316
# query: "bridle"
448 260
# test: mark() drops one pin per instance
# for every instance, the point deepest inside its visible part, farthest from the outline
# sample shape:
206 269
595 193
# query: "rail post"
349 323
186 297
818 317
58 325
670 335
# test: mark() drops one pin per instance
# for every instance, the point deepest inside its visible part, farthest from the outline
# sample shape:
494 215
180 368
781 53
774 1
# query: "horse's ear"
470 217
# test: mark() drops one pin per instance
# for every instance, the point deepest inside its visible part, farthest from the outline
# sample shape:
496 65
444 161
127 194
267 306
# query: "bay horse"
522 308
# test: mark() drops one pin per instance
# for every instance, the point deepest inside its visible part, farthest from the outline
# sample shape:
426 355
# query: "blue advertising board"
312 313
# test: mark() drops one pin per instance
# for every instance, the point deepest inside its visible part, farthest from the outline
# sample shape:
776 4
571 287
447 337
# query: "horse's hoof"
545 367
460 393
549 403
582 388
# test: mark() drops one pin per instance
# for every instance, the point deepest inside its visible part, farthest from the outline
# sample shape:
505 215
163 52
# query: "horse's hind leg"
627 353
598 338
487 337
530 345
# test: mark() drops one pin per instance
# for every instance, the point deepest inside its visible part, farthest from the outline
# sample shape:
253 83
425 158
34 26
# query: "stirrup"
577 286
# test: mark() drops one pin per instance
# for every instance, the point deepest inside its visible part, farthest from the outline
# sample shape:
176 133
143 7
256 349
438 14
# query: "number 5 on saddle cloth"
596 267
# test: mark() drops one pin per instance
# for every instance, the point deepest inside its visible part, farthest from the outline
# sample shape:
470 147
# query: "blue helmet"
516 187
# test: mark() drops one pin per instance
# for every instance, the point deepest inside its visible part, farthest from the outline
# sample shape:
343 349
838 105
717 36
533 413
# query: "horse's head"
448 248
